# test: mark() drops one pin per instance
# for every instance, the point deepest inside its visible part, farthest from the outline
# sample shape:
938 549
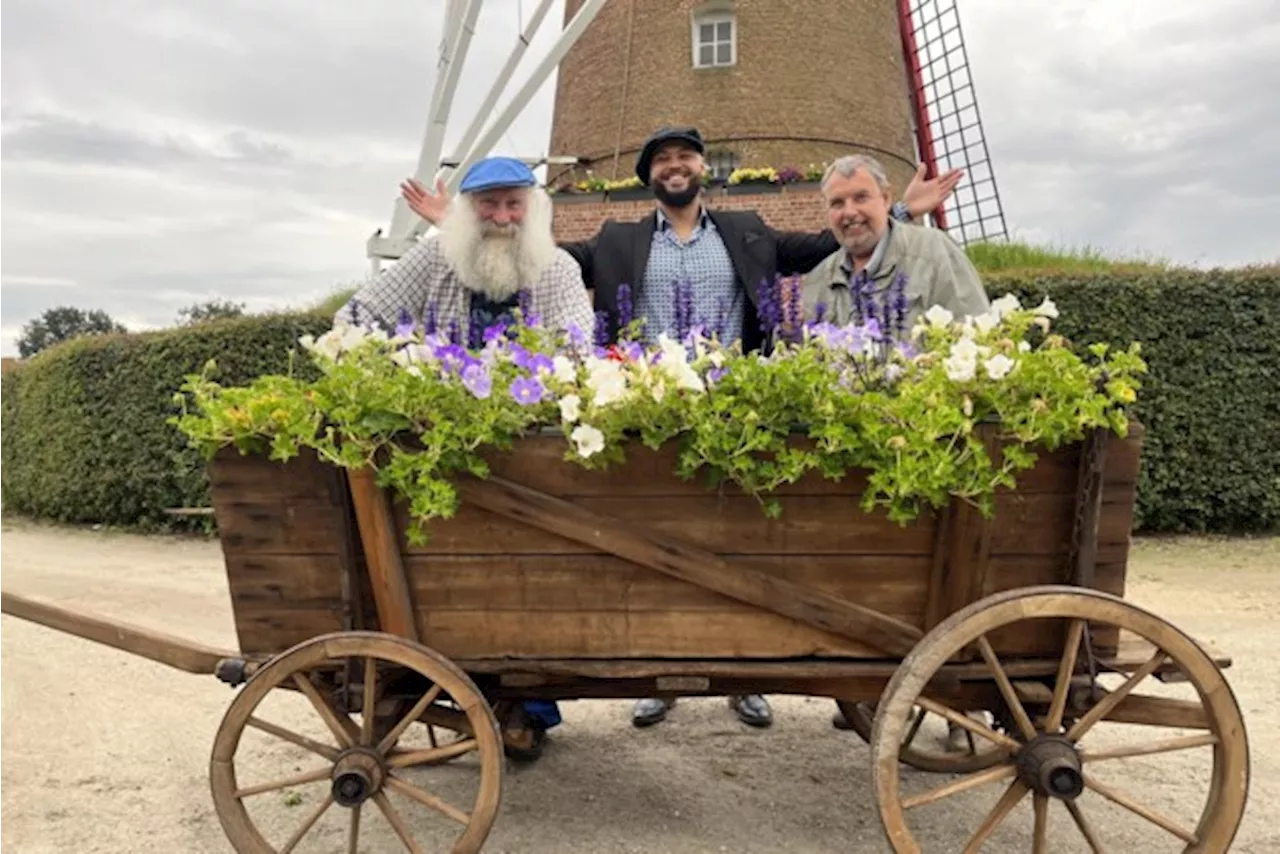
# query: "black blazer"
619 253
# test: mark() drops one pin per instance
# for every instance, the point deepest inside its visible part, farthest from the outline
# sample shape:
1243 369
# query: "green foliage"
62 324
1211 401
420 412
85 432
1012 256
203 312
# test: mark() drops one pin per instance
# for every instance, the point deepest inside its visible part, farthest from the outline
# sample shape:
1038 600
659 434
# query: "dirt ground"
108 752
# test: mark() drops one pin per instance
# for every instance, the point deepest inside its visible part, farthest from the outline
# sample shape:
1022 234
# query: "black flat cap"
661 135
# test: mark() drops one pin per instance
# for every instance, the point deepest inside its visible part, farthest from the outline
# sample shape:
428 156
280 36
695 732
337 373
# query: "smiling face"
857 211
675 173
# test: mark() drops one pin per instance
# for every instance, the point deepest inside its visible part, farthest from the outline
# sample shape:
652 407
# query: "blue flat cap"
494 172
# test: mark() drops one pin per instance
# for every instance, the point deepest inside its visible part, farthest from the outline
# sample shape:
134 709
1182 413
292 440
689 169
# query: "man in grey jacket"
877 252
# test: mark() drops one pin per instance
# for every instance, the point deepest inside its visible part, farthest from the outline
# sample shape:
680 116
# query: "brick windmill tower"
769 83
776 84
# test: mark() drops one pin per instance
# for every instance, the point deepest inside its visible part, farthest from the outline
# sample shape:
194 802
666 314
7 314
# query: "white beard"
499 265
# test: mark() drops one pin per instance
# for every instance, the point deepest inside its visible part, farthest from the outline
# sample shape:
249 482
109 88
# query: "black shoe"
650 711
752 710
839 721
527 748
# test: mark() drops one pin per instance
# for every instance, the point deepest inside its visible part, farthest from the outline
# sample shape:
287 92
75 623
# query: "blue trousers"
545 713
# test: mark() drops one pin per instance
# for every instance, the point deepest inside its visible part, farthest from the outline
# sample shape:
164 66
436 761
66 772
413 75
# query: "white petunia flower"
1046 309
588 439
1005 305
939 317
986 321
960 369
1024 346
564 369
570 408
998 366
965 348
607 382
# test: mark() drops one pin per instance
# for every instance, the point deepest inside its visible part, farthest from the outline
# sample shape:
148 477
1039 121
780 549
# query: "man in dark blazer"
720 258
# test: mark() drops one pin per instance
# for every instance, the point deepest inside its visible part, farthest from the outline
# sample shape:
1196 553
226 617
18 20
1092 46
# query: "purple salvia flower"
405 327
475 334
722 318
477 380
900 304
819 312
355 312
602 329
526 305
684 307
625 307
527 391
769 311
455 332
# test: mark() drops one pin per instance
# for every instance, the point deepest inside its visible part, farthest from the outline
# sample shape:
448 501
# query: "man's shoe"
650 711
752 710
839 721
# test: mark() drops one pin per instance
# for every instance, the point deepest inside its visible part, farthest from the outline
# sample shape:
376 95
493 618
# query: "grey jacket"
937 270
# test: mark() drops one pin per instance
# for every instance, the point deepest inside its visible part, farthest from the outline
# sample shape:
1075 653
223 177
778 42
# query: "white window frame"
715 18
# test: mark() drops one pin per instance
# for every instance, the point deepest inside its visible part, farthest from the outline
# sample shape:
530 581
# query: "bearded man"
494 242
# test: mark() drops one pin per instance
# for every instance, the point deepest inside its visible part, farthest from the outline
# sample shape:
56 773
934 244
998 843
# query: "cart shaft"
157 646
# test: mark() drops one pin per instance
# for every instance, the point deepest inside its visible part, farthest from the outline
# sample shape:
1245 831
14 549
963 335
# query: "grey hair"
851 163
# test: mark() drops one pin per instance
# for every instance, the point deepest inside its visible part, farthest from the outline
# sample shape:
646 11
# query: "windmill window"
715 40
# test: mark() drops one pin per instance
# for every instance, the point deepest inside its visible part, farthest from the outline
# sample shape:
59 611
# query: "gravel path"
108 752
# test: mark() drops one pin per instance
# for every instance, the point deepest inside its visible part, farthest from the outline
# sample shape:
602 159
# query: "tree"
213 309
61 324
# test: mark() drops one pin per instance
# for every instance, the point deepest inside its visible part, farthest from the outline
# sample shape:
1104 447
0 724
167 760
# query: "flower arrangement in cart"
423 404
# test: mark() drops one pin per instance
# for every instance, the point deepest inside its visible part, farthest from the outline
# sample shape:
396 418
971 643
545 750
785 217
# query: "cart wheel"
360 766
976 754
439 734
1054 762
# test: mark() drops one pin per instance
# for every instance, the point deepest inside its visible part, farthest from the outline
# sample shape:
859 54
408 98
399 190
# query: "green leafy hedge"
86 438
1211 402
84 423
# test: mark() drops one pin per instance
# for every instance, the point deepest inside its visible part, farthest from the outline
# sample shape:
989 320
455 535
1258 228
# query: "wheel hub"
357 776
1050 765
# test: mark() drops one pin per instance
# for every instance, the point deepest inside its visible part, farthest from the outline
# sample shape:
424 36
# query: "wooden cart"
555 582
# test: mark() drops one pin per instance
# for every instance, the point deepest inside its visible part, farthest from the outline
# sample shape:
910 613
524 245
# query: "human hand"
430 206
922 196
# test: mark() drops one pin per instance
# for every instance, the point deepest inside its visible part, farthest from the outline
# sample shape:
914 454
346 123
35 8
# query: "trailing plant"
422 406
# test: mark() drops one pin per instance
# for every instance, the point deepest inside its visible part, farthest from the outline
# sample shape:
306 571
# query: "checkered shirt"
422 277
704 262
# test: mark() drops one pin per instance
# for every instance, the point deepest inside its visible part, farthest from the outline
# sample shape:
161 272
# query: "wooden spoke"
311 820
955 787
326 712
1066 669
397 822
289 735
366 709
1166 746
1040 834
1086 830
969 724
297 780
1121 799
427 799
431 735
1016 791
435 754
915 728
353 838
1006 689
1109 702
412 715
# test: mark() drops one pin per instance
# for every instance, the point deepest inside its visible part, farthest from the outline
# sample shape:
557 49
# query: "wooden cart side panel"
288 547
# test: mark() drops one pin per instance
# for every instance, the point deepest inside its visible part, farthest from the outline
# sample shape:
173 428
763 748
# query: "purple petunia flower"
495 332
577 337
453 357
477 380
716 374
527 391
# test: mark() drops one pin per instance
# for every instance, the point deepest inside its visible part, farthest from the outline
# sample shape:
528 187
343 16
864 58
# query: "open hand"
922 196
430 206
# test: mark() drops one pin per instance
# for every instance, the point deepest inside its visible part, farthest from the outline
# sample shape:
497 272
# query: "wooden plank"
689 563
382 555
891 585
642 668
538 462
720 524
157 646
265 629
285 580
624 635
292 526
1042 524
253 477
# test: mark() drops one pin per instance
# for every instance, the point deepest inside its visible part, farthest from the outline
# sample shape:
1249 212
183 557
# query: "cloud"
160 153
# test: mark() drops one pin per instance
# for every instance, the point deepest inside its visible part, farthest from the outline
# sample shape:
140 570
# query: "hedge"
87 441
84 423
1211 402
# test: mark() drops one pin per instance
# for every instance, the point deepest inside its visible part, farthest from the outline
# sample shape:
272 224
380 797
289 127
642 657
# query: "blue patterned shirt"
702 261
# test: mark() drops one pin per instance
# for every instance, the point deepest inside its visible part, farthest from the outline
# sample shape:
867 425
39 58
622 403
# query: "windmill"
945 123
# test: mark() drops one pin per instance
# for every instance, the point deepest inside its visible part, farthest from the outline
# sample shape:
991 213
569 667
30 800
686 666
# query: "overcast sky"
162 152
